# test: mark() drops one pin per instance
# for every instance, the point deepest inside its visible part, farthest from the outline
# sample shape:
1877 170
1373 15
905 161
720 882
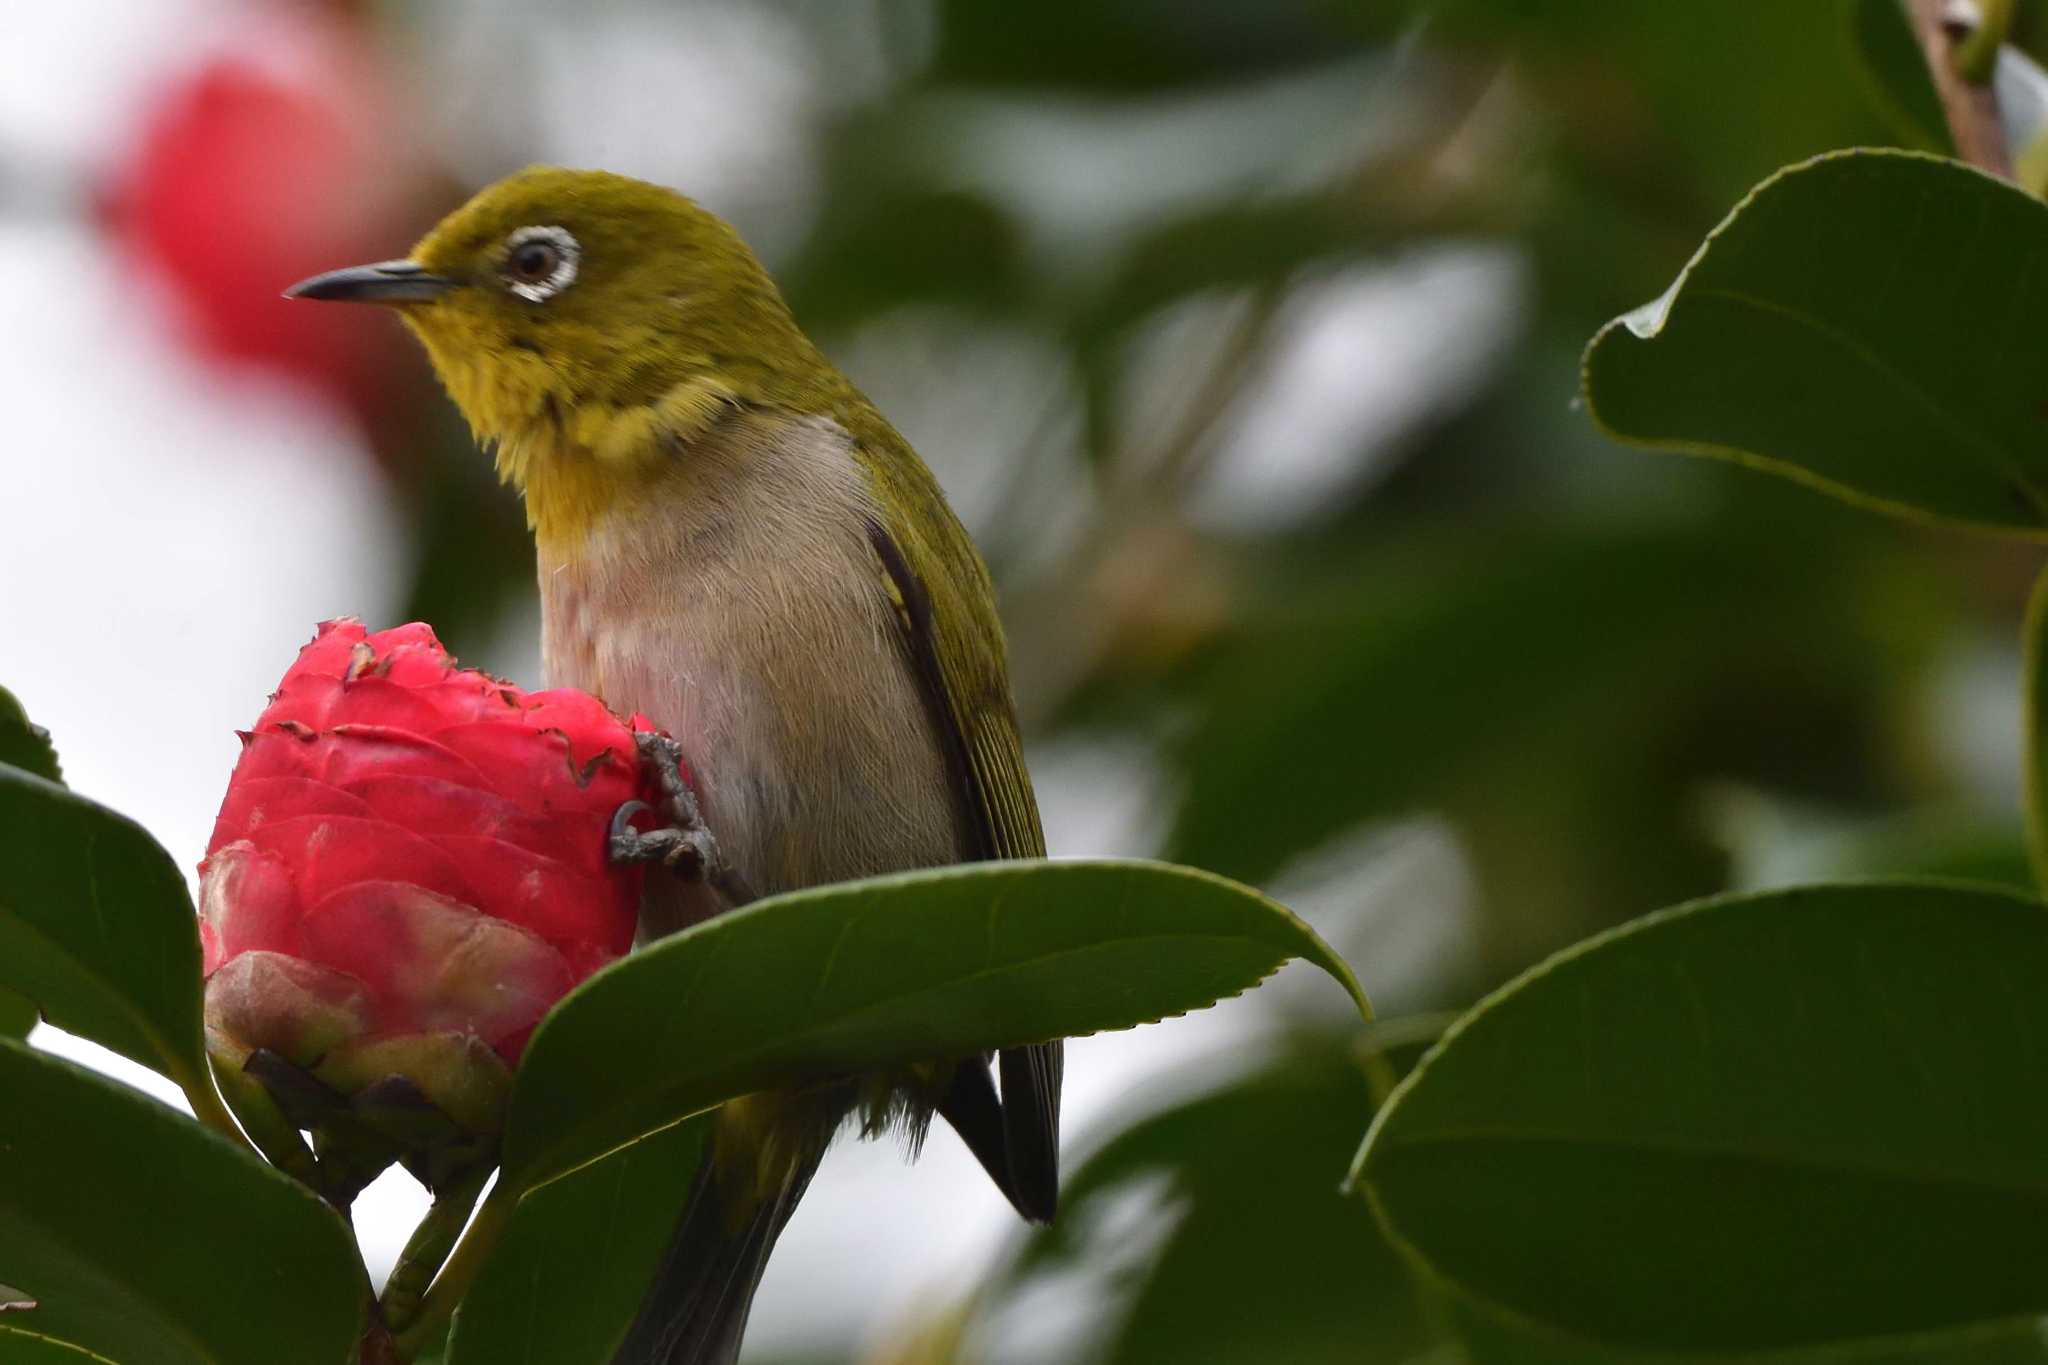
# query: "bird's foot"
683 843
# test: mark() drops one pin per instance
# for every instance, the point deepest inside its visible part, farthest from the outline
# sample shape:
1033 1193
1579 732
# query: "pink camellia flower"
410 868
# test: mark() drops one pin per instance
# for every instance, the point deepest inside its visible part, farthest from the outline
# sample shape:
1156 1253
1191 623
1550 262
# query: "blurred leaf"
475 556
1136 46
1777 843
17 1016
1643 90
863 975
563 1285
1808 1116
1409 673
1265 1259
1895 70
97 929
1229 246
23 744
144 1237
2034 769
1862 323
882 248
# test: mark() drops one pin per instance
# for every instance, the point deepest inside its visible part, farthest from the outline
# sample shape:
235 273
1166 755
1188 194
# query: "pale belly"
748 619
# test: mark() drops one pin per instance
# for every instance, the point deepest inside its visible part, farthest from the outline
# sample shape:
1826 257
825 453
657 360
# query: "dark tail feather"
971 1107
1031 1126
695 1311
1016 1138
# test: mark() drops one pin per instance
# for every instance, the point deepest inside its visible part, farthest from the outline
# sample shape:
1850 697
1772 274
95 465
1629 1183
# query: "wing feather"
953 645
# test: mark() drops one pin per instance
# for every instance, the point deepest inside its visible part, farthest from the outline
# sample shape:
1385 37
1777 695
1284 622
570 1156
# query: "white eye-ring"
540 262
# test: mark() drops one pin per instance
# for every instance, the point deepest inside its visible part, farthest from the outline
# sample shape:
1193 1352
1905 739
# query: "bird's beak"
384 282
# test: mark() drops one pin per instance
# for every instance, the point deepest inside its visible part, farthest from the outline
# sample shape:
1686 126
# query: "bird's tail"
695 1311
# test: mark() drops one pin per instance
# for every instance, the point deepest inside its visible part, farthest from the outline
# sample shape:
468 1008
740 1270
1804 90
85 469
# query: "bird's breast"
740 606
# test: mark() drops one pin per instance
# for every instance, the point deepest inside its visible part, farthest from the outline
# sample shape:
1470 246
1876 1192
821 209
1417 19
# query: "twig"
1971 107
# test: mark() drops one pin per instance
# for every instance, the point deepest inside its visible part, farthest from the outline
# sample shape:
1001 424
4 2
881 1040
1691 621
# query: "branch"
1945 28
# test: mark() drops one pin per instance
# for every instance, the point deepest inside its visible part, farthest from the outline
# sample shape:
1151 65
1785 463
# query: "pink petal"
431 808
247 901
328 852
560 904
436 964
251 801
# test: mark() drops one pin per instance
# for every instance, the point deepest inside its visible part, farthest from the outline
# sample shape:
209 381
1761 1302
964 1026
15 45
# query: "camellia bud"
410 869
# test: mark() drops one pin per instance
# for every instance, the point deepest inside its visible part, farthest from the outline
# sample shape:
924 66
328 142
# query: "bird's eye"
540 262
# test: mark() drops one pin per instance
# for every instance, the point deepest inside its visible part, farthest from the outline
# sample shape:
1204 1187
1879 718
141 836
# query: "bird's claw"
690 853
682 844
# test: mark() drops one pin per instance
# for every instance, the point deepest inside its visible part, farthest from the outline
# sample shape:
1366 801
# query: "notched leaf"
874 974
1864 323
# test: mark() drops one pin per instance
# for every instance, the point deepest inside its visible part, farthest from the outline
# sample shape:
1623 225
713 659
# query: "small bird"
734 541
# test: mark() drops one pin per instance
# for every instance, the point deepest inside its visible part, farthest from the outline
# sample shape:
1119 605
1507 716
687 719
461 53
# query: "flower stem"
459 1275
429 1246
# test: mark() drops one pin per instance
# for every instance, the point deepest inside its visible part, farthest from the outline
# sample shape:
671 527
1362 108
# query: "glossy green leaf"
1865 323
146 1238
24 744
1894 70
890 970
1808 1116
562 1286
97 928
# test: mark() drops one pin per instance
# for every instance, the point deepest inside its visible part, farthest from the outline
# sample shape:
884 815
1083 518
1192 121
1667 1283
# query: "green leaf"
1866 323
1894 71
24 744
562 1286
1807 1116
892 970
144 1237
96 927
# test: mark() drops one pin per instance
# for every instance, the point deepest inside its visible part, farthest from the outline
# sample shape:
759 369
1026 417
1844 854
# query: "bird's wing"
971 711
953 644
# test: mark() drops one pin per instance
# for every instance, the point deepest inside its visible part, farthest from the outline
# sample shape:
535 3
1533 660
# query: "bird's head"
581 317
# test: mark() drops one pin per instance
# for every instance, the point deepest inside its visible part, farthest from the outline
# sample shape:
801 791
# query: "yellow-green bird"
734 541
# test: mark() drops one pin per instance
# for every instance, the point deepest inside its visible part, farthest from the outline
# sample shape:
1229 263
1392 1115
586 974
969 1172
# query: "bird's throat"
575 464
